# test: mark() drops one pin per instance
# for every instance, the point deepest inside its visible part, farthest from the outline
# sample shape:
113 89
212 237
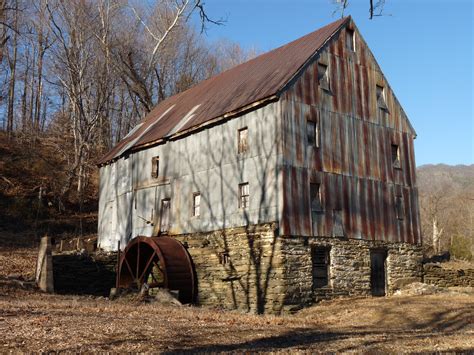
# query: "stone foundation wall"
253 269
349 271
439 276
238 268
90 274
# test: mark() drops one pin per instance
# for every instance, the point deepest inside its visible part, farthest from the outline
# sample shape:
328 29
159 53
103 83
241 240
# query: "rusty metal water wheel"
158 262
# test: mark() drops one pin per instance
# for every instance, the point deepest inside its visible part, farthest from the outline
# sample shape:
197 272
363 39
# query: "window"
399 207
312 133
323 76
381 97
320 259
316 132
196 204
337 225
315 193
395 156
242 144
224 258
155 167
244 195
350 39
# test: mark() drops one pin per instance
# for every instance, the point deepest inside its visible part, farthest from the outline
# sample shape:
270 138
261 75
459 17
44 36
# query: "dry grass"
32 321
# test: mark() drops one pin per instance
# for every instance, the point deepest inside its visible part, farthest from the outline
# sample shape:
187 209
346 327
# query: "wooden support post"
44 266
118 266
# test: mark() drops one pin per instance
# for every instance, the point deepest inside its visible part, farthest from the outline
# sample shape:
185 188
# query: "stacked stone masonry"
253 269
442 277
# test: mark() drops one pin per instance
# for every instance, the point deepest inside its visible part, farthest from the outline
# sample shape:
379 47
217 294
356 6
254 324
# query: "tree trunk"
24 95
39 89
436 236
11 88
3 32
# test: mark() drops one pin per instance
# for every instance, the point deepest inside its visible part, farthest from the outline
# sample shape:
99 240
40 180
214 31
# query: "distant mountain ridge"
457 177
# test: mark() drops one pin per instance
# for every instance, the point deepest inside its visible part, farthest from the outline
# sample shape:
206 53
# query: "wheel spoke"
147 266
138 263
128 267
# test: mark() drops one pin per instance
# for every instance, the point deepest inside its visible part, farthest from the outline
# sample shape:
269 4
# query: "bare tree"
83 74
148 37
4 7
375 8
12 61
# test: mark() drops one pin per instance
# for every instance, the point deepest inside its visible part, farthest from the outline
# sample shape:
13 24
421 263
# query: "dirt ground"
32 321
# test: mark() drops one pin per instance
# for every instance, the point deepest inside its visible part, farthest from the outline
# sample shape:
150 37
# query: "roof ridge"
228 93
259 57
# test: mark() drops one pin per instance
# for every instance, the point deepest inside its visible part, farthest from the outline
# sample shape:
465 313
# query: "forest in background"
76 76
446 196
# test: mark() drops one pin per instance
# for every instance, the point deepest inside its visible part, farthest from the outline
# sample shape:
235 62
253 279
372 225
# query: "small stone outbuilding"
288 178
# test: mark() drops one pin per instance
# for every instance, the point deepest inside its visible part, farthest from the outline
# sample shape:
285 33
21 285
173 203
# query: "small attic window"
396 156
155 167
380 92
350 39
323 76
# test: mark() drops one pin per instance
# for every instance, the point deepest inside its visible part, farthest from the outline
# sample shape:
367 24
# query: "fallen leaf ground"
33 321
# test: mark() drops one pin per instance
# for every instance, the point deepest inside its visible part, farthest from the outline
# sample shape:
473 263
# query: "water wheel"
157 262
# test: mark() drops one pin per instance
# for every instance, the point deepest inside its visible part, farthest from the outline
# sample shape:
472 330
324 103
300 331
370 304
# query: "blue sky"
424 47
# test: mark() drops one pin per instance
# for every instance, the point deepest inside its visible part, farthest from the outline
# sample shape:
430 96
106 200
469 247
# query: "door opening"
378 272
165 215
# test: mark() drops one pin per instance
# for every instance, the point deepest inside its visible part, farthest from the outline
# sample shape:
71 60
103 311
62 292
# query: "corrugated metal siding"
353 77
353 163
367 206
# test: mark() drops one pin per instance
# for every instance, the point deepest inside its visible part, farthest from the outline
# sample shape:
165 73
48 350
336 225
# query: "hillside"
455 177
447 198
36 196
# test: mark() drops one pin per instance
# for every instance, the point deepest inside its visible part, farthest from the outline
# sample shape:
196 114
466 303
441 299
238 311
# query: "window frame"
315 201
326 83
242 148
382 98
395 158
244 199
350 39
315 140
155 166
198 206
399 207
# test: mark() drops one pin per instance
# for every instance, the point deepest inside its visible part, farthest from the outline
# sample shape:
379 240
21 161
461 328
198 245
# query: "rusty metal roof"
225 94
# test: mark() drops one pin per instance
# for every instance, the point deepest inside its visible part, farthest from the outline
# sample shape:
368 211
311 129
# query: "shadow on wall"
249 263
84 275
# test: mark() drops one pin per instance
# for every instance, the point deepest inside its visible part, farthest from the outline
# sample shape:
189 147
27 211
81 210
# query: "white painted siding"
207 162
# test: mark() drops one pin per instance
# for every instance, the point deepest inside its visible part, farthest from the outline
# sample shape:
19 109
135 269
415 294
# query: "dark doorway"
377 272
320 256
